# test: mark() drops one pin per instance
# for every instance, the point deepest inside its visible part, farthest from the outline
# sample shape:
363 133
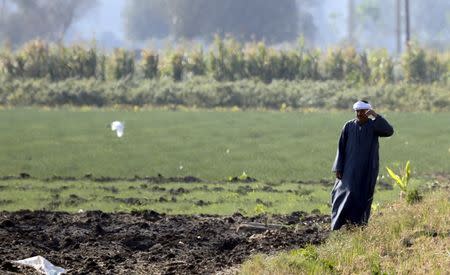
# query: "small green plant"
413 195
260 209
375 207
242 178
401 181
309 252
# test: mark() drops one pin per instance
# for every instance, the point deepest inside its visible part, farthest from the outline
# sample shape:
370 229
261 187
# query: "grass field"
279 149
269 146
400 239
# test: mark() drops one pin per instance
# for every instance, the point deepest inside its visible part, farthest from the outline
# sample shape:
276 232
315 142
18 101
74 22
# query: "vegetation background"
248 97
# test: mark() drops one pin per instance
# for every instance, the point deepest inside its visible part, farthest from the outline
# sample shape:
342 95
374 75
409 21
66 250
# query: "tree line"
370 22
23 20
271 21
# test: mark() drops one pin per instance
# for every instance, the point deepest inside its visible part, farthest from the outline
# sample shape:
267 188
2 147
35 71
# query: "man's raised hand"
371 113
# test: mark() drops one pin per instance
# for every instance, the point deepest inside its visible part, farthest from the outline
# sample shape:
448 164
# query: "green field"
269 146
278 149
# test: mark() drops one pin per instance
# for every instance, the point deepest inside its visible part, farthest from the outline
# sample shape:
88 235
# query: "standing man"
356 166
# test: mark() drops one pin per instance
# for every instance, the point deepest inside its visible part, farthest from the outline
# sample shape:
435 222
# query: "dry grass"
400 239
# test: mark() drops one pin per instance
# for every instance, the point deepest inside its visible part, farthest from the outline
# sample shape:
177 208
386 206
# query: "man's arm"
338 166
382 127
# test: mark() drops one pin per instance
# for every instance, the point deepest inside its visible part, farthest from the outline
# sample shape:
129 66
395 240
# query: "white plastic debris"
42 265
119 127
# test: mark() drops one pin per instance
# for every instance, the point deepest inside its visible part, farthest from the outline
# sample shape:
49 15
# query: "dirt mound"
158 179
148 242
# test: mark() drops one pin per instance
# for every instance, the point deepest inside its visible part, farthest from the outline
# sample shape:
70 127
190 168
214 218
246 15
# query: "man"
356 166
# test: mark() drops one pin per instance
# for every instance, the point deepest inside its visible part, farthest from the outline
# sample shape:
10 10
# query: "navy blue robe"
357 160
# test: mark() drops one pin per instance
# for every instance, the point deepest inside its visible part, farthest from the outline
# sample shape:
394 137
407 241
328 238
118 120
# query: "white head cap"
361 105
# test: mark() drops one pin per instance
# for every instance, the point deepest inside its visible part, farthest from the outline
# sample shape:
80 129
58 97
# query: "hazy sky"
105 23
106 17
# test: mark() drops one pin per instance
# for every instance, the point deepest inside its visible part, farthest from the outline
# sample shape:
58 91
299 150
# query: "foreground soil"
149 242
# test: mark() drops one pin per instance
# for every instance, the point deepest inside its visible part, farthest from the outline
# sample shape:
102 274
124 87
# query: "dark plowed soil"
158 179
148 242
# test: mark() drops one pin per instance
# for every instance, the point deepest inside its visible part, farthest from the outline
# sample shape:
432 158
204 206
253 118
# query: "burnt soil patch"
148 242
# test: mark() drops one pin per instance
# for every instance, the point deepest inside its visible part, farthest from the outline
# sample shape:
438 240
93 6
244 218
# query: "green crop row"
225 60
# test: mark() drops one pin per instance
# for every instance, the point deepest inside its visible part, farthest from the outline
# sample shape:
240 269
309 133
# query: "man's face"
361 115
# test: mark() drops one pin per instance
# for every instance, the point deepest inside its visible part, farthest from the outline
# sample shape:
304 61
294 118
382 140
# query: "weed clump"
413 196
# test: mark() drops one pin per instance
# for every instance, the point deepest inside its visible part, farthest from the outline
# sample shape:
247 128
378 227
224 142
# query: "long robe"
357 159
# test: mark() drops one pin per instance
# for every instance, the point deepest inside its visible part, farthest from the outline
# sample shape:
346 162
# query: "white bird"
119 127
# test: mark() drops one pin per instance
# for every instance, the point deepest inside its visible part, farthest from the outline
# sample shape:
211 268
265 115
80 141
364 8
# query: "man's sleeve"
382 127
340 154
